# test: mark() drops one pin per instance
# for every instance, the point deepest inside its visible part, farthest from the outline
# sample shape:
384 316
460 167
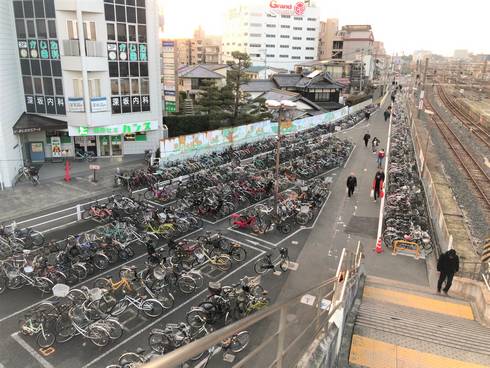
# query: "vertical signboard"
169 75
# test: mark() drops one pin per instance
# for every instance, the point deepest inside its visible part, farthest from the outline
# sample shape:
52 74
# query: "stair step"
429 317
370 280
419 329
430 339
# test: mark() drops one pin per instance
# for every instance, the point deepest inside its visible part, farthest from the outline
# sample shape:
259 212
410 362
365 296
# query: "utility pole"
362 76
421 100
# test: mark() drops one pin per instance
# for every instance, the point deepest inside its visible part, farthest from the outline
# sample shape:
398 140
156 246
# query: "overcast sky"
404 26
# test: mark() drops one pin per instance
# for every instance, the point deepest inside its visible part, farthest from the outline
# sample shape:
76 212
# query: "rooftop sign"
279 8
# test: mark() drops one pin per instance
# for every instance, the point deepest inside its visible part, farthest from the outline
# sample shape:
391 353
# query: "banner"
55 147
199 143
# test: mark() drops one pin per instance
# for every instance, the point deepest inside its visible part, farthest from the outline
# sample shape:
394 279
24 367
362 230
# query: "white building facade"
277 33
93 66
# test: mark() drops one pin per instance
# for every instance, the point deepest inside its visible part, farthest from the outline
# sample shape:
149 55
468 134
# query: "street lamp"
282 108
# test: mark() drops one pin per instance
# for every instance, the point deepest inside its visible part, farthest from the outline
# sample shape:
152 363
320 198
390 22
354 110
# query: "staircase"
405 325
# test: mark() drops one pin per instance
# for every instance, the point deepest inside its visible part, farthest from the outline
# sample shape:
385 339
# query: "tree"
215 102
237 77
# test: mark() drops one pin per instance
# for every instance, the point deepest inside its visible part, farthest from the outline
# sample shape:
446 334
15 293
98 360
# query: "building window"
296 47
285 26
114 86
136 137
72 29
271 26
284 36
111 32
322 96
270 36
255 45
284 46
310 38
295 57
309 48
297 38
298 28
285 16
311 29
254 35
298 18
255 24
312 19
338 44
309 58
77 88
89 31
94 87
270 55
283 56
256 14
270 46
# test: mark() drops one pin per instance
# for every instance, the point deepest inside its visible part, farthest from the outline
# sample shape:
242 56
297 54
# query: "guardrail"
288 328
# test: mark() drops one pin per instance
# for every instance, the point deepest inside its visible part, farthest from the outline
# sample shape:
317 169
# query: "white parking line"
43 362
166 315
92 278
348 158
251 236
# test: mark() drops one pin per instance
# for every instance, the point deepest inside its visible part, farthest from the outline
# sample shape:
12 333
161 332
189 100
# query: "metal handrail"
343 278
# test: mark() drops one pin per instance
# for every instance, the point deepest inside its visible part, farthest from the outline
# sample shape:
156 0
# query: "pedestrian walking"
351 184
387 113
366 138
375 144
447 265
378 184
380 157
367 115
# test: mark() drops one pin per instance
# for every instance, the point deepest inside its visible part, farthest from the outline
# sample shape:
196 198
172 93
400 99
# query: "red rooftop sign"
278 8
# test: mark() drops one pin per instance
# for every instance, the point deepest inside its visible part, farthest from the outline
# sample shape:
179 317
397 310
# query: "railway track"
476 174
464 117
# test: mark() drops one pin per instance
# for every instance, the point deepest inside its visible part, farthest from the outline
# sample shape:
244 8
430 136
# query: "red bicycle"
97 211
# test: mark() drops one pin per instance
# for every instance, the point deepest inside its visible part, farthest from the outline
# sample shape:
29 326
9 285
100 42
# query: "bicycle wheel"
101 261
130 360
64 328
186 284
149 195
166 299
127 273
284 265
102 283
261 266
302 218
46 339
222 263
239 341
106 303
57 277
238 254
152 308
197 317
44 284
98 335
114 328
158 342
36 238
119 307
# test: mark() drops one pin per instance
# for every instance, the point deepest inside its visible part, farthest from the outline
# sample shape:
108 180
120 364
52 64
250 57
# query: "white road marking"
250 236
166 315
43 362
348 158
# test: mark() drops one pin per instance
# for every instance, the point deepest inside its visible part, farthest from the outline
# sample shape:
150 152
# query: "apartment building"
328 31
278 34
201 49
90 77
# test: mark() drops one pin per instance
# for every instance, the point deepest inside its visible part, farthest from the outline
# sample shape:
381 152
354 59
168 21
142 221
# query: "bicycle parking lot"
136 326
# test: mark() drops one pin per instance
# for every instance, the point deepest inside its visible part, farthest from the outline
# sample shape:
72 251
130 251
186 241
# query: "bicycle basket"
28 269
61 290
95 294
159 273
214 287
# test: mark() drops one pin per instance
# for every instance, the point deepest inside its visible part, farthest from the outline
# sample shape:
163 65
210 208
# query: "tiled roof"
258 85
198 71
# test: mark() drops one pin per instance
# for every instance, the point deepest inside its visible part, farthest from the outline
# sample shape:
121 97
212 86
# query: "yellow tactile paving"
372 353
419 302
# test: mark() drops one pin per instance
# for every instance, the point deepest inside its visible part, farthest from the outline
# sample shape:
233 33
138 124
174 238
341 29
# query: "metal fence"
283 332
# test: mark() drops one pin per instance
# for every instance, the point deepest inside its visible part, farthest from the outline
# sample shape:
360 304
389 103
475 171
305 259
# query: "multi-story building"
201 49
328 31
279 33
352 42
90 74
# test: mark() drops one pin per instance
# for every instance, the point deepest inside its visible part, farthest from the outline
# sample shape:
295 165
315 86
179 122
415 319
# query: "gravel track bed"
477 222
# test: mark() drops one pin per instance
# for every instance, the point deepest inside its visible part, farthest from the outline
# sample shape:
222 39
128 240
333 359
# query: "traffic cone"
67 171
379 248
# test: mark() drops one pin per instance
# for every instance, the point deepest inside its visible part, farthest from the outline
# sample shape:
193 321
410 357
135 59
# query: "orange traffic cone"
379 248
67 171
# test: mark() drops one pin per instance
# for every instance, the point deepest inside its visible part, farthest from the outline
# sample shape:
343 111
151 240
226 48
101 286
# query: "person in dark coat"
367 115
447 265
366 138
378 183
351 184
387 113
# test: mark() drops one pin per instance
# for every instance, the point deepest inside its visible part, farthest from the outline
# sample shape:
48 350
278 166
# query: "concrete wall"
11 96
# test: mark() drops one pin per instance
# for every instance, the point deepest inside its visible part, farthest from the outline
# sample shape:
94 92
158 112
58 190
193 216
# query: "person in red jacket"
380 157
378 183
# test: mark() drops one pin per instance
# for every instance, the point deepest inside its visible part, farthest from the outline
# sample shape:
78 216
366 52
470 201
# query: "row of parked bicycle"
406 216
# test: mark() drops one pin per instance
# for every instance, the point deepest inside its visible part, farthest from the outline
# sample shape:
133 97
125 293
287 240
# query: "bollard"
79 212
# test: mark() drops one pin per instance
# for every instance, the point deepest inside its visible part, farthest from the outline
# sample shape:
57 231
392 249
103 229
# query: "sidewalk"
53 192
345 221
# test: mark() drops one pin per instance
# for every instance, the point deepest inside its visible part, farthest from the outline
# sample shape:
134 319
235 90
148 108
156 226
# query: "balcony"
95 56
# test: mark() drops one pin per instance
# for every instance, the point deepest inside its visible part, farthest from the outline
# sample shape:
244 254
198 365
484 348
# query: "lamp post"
282 108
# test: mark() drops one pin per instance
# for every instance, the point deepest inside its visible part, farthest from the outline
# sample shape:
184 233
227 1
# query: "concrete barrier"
476 292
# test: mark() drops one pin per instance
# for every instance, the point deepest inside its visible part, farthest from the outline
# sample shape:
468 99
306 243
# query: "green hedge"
188 124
